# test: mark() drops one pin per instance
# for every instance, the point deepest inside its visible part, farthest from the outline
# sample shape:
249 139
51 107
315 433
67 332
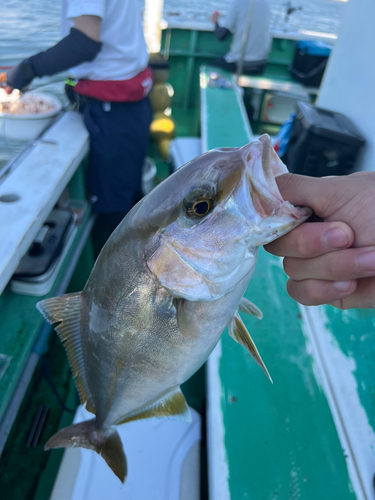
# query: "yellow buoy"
161 96
162 127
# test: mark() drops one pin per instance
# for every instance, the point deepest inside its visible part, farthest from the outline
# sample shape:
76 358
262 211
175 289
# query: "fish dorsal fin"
237 330
187 322
247 307
66 311
172 405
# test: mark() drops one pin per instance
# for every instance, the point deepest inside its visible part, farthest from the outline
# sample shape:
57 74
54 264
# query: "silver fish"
168 281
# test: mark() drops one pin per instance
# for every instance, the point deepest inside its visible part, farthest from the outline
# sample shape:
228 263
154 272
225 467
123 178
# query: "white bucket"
148 175
28 127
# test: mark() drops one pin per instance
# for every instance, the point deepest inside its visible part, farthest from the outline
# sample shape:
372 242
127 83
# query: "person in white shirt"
258 43
103 47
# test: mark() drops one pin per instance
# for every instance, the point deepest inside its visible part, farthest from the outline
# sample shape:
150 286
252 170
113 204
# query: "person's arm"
333 261
81 45
89 25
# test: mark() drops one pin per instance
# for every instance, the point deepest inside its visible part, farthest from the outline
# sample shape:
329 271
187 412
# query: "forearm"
74 49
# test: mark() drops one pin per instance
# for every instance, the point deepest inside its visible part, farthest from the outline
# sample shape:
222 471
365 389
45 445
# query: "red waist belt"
134 89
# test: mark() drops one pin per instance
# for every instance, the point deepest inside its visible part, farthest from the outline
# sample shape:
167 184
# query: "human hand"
327 267
20 76
215 17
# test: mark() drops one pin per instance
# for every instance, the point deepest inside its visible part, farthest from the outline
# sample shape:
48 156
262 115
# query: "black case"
309 63
322 142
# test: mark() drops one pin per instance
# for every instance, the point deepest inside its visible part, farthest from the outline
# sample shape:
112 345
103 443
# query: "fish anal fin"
247 307
172 405
66 311
237 330
187 322
106 442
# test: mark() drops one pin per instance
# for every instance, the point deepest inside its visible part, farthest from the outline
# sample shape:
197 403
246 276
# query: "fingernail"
341 286
335 238
366 261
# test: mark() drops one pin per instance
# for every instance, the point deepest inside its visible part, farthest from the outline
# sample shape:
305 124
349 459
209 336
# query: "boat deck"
310 434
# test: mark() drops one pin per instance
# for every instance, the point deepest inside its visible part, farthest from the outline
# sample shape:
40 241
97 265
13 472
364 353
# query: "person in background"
106 54
332 261
258 41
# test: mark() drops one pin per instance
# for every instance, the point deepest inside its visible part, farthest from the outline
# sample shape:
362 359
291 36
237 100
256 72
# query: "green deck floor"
280 441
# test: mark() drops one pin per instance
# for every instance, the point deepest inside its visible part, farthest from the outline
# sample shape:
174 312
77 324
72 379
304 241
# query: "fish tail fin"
106 442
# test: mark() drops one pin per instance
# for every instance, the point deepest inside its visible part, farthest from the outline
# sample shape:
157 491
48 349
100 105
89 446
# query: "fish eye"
200 208
199 204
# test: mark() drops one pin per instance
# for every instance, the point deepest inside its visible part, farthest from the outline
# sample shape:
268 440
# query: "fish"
165 285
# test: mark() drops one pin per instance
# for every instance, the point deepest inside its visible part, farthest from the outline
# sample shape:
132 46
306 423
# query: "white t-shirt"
259 40
124 52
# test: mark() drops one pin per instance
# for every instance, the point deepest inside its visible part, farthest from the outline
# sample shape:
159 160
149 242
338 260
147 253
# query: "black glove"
21 75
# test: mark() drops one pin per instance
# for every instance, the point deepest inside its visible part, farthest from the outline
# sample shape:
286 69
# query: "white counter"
29 193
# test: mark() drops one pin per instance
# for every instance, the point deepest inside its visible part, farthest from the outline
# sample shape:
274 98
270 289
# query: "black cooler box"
309 63
322 142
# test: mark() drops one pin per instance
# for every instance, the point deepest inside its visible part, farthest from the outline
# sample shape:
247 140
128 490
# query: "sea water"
30 26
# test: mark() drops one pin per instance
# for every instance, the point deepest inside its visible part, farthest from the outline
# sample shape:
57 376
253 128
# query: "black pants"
119 136
249 68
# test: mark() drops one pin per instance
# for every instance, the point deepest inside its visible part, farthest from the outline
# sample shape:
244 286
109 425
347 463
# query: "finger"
348 264
312 239
363 297
316 292
313 192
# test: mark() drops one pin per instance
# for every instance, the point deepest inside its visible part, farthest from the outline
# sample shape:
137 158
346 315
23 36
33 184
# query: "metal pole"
245 37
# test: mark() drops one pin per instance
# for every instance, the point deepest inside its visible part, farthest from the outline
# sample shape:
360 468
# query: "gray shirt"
259 40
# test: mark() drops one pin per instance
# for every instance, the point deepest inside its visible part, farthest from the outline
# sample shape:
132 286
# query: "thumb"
313 192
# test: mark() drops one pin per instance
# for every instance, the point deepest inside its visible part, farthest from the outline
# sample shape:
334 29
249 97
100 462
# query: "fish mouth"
259 196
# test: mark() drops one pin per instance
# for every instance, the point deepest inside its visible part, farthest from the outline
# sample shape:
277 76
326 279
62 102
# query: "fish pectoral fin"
237 330
187 322
66 311
172 405
247 307
106 442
